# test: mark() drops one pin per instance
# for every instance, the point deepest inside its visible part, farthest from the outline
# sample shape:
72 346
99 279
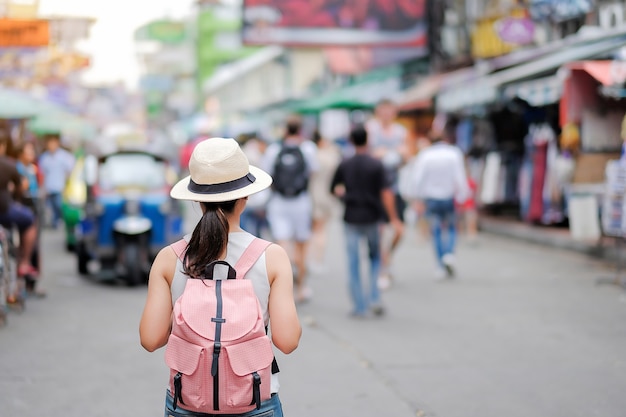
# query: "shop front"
593 107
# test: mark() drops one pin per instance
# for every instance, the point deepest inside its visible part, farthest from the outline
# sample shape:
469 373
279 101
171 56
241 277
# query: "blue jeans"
354 234
55 200
269 408
441 217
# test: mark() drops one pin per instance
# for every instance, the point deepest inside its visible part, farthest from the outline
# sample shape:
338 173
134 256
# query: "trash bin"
584 216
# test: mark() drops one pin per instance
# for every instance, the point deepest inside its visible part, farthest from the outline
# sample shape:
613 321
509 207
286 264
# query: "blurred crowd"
32 181
380 182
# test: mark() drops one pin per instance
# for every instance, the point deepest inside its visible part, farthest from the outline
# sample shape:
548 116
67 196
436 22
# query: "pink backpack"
219 354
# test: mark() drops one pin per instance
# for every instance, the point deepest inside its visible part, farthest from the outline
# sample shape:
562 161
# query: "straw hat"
220 172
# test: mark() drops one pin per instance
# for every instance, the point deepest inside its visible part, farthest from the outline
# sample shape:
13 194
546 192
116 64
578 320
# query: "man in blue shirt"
55 164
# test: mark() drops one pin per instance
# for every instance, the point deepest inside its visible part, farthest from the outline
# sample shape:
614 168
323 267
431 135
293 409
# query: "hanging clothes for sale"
542 151
490 187
552 195
526 175
464 133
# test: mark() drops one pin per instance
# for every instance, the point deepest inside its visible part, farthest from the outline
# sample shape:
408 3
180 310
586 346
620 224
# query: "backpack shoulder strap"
179 247
250 255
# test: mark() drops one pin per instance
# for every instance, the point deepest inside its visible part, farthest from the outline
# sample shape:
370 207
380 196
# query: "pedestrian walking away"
439 181
196 296
325 207
291 162
364 188
388 143
254 217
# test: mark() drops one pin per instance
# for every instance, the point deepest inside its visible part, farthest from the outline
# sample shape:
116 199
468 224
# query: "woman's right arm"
285 325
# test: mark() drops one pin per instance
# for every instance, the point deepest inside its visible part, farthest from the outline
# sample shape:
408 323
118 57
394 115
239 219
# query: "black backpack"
291 174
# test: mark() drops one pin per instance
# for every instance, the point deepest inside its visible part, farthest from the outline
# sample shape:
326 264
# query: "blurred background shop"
535 87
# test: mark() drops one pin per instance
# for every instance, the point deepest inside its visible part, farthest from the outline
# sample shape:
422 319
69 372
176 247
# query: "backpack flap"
251 356
183 356
196 311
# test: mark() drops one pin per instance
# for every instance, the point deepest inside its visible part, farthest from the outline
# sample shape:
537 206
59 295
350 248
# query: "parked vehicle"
74 199
129 215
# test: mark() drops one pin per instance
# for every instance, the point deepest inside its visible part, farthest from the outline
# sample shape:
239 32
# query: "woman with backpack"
205 333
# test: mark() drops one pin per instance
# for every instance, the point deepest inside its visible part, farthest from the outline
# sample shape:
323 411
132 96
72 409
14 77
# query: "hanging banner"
333 22
20 33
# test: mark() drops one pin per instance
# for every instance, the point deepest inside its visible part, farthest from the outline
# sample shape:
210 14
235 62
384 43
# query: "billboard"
360 59
334 22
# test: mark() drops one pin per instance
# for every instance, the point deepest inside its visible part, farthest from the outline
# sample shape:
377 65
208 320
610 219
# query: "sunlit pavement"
523 330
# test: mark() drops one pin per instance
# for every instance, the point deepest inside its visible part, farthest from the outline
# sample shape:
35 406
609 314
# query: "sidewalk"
549 236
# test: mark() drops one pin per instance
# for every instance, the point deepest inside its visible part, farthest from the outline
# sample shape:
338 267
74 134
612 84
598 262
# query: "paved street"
523 331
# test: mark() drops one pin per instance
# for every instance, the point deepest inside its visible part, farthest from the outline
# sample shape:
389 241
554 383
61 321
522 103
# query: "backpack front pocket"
249 372
189 374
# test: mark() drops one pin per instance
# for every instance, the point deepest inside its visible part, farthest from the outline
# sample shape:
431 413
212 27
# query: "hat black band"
223 187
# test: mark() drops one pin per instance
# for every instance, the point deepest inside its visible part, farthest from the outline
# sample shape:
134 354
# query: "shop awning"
17 105
539 92
586 49
475 93
485 89
357 96
421 95
232 72
600 70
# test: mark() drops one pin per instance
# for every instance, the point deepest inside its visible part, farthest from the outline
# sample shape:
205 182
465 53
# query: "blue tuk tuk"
129 215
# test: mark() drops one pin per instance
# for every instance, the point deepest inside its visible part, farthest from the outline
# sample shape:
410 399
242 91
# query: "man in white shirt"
438 179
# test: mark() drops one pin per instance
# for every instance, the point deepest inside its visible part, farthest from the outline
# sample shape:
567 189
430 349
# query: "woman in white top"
221 181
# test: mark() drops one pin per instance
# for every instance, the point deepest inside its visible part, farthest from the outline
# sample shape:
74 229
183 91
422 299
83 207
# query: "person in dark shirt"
363 186
13 213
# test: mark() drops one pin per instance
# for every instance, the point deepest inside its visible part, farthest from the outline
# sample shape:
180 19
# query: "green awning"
57 122
15 105
352 97
45 117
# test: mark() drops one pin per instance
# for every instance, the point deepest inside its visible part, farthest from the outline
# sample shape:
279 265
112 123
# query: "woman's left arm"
156 320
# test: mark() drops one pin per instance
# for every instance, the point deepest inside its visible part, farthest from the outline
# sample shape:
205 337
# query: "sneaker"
384 282
448 264
378 310
440 274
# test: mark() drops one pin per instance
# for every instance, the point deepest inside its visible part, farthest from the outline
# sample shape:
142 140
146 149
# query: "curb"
547 237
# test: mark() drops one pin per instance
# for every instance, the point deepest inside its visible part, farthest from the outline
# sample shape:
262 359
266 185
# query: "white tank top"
237 243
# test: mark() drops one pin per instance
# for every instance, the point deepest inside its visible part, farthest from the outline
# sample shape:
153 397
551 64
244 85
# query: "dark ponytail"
208 239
